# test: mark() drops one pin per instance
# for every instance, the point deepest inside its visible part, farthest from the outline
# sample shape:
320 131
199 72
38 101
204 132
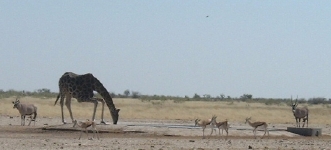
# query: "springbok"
26 110
299 113
84 125
204 123
257 124
224 126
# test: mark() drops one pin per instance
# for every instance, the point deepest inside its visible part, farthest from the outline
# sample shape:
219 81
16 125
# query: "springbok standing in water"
299 113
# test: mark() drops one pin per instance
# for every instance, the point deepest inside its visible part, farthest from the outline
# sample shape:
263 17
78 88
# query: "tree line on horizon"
47 93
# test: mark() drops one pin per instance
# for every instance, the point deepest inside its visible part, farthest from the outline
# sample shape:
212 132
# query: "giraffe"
81 87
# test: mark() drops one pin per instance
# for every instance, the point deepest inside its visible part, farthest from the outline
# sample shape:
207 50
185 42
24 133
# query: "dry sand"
150 134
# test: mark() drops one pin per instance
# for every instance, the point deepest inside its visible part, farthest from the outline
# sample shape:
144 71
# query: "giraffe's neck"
105 94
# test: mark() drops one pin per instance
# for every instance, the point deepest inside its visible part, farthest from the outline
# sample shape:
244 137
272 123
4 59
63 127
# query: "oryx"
25 109
299 113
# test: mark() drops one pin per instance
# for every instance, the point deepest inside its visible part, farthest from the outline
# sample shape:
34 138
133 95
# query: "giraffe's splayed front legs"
102 111
103 108
95 108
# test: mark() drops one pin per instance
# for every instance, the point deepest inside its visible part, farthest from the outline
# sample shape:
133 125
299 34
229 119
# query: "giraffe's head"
114 115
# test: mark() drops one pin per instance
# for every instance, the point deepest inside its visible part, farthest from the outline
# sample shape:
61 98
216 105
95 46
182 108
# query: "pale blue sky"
270 49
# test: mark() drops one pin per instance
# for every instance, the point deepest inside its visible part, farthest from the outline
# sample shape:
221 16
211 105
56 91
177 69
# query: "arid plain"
161 125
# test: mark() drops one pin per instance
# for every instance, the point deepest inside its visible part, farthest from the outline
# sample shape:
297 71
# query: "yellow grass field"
168 110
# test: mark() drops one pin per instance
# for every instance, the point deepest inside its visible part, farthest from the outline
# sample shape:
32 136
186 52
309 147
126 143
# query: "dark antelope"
299 113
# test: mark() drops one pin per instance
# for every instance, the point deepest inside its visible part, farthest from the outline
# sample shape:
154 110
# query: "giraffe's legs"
95 109
61 103
103 108
68 104
91 100
96 101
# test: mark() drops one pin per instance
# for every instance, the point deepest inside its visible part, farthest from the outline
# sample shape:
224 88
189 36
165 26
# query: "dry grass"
135 109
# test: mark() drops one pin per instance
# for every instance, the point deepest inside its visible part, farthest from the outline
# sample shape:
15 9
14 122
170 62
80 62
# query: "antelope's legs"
30 120
203 133
86 133
212 129
80 135
95 131
219 132
22 120
265 131
254 131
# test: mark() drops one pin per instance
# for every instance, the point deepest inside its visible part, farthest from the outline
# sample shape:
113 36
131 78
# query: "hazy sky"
270 49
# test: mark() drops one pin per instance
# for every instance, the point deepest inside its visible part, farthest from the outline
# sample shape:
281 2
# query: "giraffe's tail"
57 98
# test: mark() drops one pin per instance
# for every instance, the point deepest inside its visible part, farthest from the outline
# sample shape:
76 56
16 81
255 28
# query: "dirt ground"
50 133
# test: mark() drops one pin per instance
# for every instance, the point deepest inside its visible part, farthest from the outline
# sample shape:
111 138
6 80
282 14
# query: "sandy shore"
49 133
